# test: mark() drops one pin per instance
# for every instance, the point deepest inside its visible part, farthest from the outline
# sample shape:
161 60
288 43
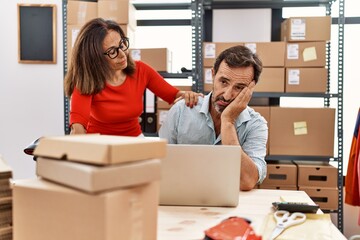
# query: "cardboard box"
212 49
265 112
271 80
326 198
272 54
5 170
302 131
95 179
5 215
280 174
100 149
158 58
129 33
306 80
6 232
161 117
183 87
72 33
80 12
316 174
120 11
306 29
43 211
208 79
161 104
5 189
305 54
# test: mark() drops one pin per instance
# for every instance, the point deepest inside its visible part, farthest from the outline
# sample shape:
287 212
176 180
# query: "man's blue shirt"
184 125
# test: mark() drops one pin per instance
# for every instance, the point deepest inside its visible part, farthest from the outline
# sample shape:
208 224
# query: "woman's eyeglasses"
114 52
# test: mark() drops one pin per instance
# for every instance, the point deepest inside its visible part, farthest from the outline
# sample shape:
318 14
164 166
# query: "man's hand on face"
232 111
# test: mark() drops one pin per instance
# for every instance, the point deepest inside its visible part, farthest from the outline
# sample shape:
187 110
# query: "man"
223 116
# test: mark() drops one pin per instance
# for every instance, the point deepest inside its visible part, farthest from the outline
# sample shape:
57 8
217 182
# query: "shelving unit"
203 27
201 23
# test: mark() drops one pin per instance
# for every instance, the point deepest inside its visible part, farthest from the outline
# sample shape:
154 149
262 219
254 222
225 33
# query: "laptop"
200 175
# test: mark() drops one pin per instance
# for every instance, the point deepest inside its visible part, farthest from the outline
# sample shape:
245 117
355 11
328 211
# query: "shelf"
277 95
162 6
175 75
298 158
243 4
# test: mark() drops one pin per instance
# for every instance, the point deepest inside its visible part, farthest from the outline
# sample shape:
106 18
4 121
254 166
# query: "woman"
106 86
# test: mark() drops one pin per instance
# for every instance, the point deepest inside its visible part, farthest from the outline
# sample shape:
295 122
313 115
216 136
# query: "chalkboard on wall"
37 33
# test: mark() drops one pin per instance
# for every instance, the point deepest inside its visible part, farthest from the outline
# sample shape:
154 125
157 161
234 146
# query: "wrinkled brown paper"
316 226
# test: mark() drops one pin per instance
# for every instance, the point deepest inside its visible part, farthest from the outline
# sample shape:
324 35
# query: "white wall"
242 25
31 95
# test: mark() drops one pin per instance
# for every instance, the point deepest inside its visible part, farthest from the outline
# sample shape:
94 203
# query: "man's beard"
218 108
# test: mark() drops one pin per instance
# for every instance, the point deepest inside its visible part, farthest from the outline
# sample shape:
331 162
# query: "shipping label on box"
213 49
208 79
72 33
161 117
297 29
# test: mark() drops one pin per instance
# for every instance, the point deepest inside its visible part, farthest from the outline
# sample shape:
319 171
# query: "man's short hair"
240 56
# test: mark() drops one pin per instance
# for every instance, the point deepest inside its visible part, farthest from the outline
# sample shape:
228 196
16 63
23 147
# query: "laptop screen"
200 175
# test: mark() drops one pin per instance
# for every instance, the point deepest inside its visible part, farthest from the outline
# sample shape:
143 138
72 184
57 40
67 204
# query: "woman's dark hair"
89 68
240 56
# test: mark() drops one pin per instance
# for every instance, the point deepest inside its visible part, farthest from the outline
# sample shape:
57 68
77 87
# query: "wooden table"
189 223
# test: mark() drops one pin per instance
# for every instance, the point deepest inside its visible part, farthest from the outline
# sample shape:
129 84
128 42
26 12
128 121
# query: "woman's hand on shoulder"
77 128
191 98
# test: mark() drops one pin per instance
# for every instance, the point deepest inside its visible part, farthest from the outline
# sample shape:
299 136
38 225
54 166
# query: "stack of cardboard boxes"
91 187
305 60
317 179
5 201
280 175
122 12
272 56
80 12
297 64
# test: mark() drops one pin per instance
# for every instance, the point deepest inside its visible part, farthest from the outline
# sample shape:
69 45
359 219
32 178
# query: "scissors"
285 220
